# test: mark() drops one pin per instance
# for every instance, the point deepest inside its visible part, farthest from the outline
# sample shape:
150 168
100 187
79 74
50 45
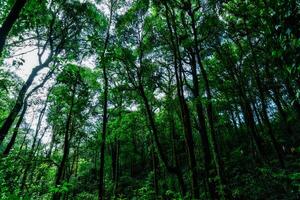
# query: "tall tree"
9 21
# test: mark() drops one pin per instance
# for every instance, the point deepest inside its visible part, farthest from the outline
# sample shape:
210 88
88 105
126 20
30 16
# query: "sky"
23 71
30 58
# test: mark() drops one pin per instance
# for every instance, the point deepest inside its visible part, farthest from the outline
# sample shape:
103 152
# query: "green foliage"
65 187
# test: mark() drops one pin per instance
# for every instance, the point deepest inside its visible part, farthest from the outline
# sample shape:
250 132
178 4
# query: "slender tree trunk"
175 156
210 113
103 141
245 103
49 152
277 99
25 106
101 194
154 130
24 178
190 147
29 167
16 130
24 139
9 22
171 169
115 165
233 121
39 142
263 99
115 153
249 119
114 159
155 172
66 147
203 133
185 113
20 100
152 125
258 116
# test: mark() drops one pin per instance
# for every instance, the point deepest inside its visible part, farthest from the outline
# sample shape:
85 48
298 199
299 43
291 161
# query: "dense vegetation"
150 99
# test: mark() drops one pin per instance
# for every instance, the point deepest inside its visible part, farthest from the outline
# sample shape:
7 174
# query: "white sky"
30 61
23 71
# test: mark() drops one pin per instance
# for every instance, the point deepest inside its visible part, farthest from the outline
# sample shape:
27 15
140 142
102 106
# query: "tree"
72 81
9 22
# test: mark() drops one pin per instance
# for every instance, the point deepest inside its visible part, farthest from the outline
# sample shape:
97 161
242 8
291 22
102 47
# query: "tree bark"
245 103
16 130
263 99
185 113
103 141
210 112
155 171
105 115
20 100
10 21
175 156
153 127
66 148
203 132
25 106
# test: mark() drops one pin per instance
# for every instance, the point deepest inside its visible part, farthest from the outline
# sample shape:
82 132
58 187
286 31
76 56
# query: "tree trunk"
245 104
258 116
210 112
20 100
171 169
185 113
104 127
203 133
16 130
175 156
9 22
25 106
63 162
105 104
29 167
115 165
155 171
263 99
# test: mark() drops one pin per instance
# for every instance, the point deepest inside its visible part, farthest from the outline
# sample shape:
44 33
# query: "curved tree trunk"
20 99
263 100
9 22
210 112
25 106
101 194
208 165
63 162
152 125
16 130
104 127
185 112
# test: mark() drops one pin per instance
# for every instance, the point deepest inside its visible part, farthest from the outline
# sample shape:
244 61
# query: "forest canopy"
149 99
